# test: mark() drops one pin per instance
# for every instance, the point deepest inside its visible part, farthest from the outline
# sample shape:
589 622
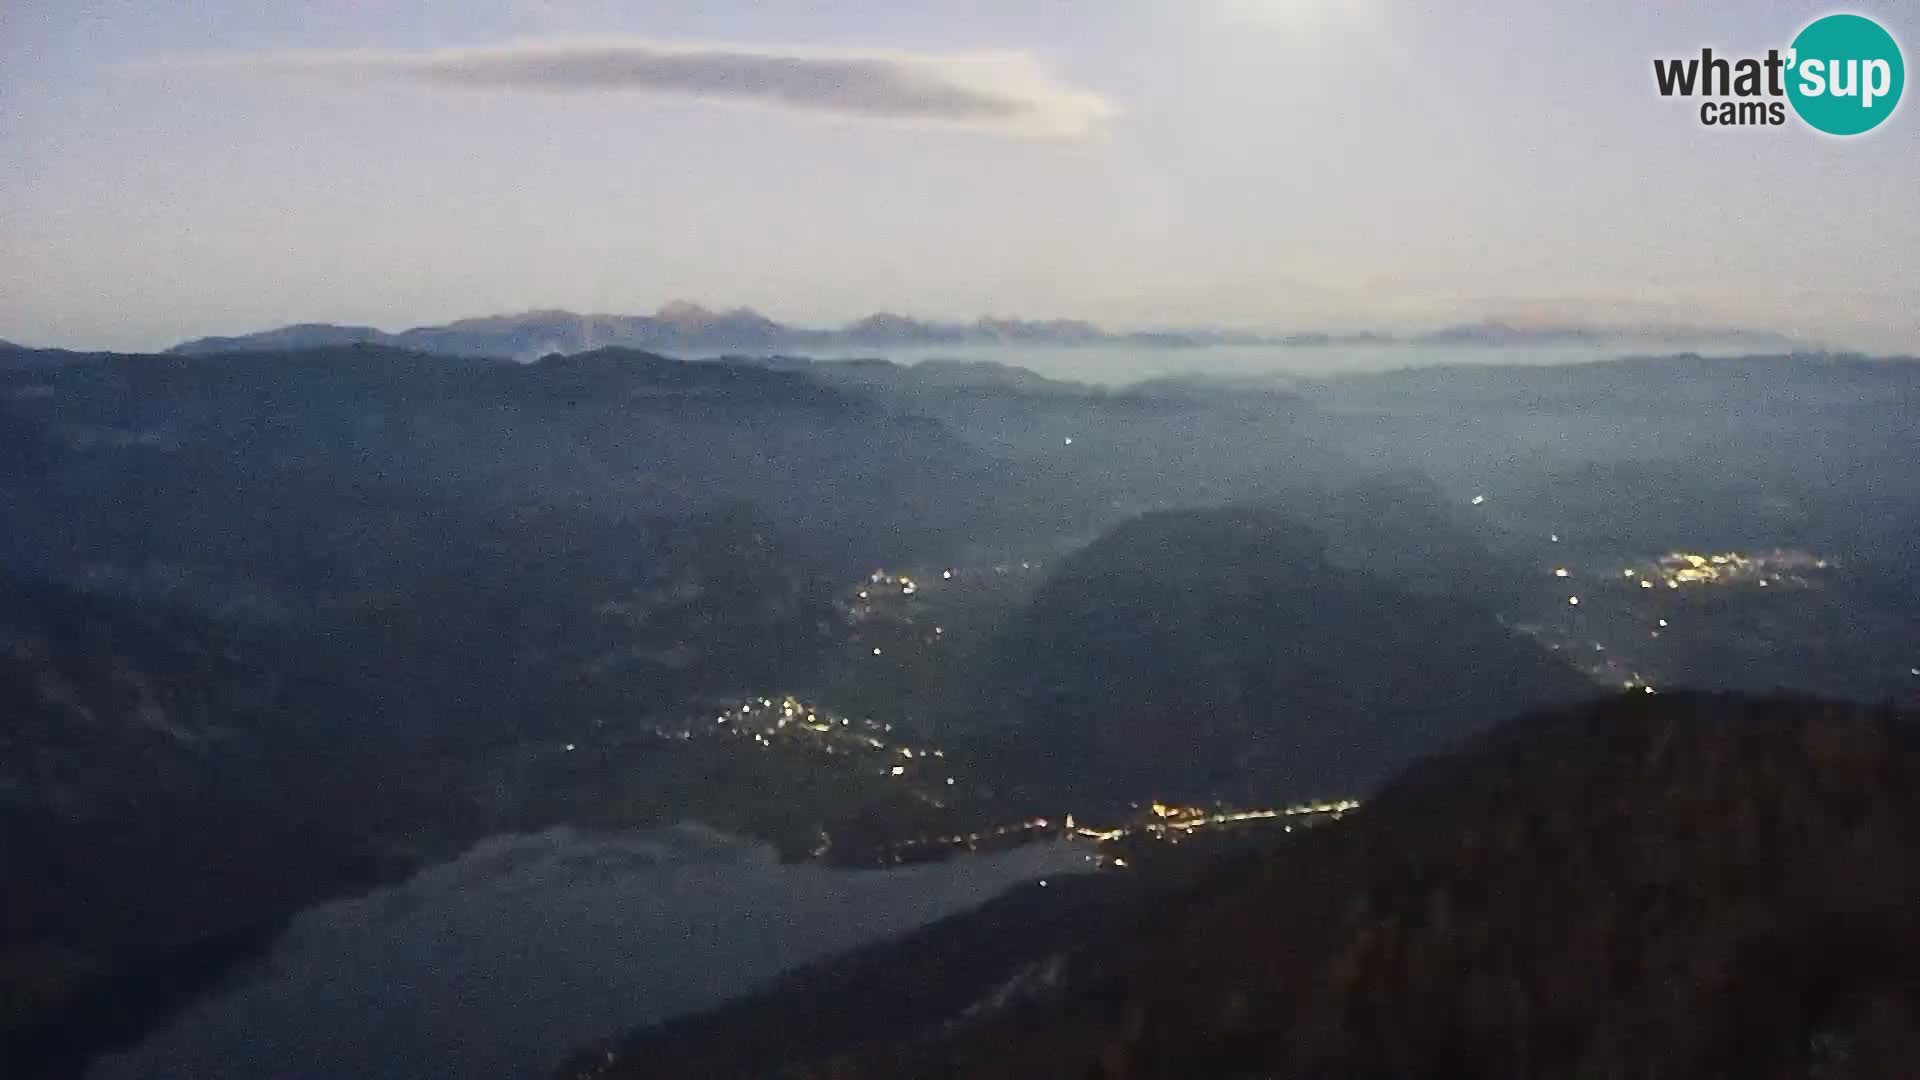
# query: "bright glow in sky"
169 170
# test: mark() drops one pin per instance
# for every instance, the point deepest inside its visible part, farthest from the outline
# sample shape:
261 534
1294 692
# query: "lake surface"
505 960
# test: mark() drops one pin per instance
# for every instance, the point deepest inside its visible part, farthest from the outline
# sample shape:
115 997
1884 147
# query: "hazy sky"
170 169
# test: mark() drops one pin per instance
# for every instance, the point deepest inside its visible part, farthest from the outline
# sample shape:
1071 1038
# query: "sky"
169 170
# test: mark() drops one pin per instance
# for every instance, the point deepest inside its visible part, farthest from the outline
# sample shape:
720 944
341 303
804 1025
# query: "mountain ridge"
682 325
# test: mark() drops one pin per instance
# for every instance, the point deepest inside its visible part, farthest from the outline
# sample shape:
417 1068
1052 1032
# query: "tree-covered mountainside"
1674 885
155 458
1218 653
168 793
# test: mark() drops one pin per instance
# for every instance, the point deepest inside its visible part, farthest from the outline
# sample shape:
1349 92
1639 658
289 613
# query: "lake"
529 947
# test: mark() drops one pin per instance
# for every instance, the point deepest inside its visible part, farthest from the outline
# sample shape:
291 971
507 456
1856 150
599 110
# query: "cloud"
1003 92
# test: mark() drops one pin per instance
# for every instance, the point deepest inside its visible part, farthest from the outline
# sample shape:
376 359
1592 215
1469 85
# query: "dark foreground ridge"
1676 885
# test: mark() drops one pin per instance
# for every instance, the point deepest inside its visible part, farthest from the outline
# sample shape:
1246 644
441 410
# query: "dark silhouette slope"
1189 654
1675 886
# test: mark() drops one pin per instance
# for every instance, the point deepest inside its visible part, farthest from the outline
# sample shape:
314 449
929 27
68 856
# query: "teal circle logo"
1845 74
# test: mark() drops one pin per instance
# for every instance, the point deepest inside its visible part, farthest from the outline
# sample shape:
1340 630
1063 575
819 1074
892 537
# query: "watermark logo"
1842 75
1850 74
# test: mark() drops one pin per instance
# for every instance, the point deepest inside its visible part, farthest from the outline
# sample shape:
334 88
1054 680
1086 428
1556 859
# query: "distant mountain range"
686 327
683 327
